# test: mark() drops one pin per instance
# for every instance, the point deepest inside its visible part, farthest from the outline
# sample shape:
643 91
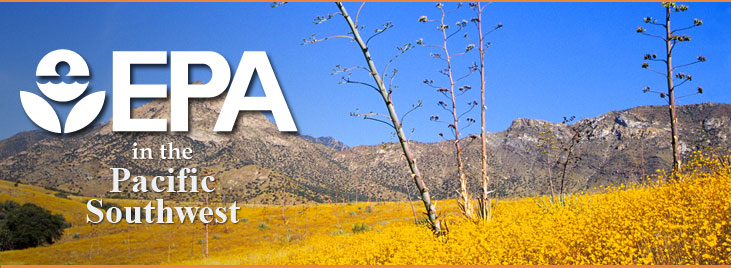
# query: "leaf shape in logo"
40 112
85 111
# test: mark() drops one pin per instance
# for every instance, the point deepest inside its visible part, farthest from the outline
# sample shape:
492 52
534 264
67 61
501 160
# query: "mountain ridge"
258 164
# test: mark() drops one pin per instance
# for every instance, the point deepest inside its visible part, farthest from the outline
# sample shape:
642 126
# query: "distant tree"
61 195
28 226
560 153
107 205
705 138
568 159
671 38
390 118
548 149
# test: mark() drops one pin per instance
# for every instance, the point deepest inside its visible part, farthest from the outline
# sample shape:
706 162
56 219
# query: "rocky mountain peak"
259 164
521 124
327 141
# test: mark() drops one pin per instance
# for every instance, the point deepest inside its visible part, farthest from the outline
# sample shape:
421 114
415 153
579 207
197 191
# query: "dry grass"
152 243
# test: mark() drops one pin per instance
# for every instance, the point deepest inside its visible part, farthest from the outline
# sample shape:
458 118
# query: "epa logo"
252 63
42 113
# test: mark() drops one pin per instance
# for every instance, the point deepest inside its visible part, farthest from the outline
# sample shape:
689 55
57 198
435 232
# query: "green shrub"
361 227
108 205
61 195
117 196
338 232
263 226
28 226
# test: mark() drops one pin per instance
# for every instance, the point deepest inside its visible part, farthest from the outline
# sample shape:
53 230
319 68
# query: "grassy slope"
158 243
682 222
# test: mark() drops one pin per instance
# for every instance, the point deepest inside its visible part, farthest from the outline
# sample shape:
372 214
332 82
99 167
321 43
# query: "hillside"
257 164
682 222
613 154
260 228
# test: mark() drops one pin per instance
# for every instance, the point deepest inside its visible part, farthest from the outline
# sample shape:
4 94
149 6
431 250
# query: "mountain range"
256 163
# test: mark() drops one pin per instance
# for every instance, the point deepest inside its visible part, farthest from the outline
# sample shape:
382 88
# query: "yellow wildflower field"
683 220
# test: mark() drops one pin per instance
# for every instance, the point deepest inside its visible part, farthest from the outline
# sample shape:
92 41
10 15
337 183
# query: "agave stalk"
671 38
465 200
671 92
431 211
484 206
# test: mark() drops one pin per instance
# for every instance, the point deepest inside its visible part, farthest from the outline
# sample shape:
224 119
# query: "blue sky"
548 61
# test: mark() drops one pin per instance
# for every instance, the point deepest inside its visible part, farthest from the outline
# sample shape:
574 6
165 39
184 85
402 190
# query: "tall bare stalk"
395 123
484 204
465 200
483 139
670 39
